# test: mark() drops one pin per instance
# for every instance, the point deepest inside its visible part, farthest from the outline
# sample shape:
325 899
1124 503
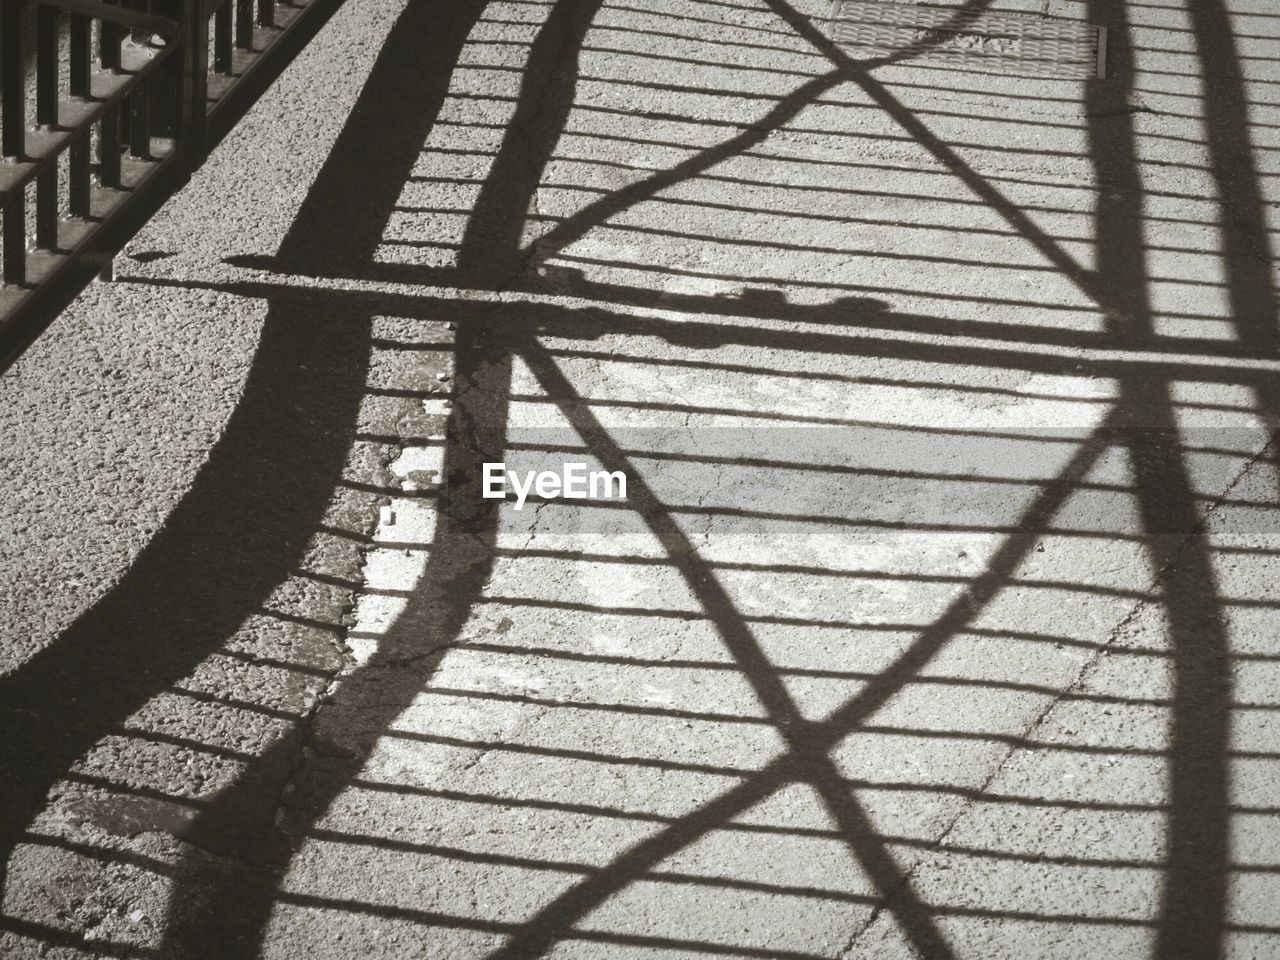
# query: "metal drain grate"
995 41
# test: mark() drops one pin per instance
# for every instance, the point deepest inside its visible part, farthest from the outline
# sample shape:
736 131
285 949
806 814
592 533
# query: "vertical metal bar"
193 130
47 208
163 92
244 24
78 177
222 38
80 56
139 127
266 13
109 149
47 66
47 118
14 261
123 115
78 169
13 138
110 37
109 40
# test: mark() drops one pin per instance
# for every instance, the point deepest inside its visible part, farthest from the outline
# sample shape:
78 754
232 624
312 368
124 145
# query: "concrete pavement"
939 619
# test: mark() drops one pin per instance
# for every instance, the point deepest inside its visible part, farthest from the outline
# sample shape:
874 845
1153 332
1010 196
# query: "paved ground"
940 617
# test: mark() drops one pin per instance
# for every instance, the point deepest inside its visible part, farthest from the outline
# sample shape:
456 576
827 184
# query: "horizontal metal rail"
126 106
121 16
45 144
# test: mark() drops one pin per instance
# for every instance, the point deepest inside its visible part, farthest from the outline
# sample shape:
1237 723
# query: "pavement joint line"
1070 691
967 804
807 743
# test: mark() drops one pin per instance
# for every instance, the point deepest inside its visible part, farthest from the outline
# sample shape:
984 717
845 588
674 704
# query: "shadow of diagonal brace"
806 757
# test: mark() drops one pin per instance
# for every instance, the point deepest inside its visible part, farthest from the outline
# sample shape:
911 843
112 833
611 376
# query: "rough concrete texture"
940 617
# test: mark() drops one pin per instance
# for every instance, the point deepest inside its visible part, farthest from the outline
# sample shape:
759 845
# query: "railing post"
244 23
11 82
181 121
46 67
109 44
79 173
109 38
47 119
13 142
193 86
222 38
80 56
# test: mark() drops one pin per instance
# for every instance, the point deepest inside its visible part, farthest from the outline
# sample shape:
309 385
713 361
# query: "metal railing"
129 97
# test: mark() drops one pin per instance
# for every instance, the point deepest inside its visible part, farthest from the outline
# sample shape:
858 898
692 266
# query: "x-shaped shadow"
494 258
807 757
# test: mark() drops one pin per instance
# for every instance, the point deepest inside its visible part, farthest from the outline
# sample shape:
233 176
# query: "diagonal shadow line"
811 763
759 672
847 69
806 758
222 911
815 766
1086 280
868 845
219 908
490 253
1191 915
575 227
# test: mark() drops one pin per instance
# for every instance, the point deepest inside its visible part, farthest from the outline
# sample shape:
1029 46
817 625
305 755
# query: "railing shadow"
223 908
233 538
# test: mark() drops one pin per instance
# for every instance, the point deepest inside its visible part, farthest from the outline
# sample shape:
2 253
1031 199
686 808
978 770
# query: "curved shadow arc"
223 913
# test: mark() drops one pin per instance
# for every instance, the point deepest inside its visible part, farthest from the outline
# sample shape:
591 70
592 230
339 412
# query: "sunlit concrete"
940 620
